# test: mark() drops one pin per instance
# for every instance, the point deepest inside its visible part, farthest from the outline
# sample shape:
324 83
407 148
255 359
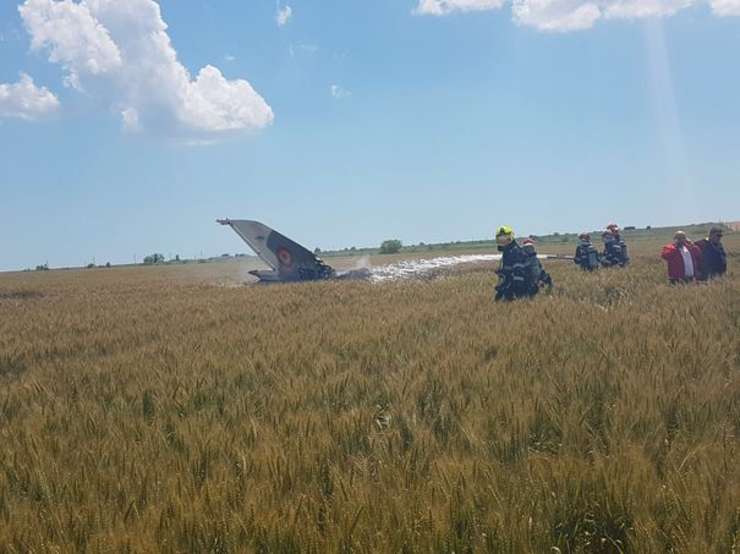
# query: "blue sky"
350 122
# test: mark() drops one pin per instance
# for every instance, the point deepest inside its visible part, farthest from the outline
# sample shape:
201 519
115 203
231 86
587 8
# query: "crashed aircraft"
290 262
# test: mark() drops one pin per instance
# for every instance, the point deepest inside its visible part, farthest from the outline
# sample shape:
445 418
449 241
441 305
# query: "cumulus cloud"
25 100
72 35
556 15
633 9
726 7
121 52
283 15
339 92
443 7
574 15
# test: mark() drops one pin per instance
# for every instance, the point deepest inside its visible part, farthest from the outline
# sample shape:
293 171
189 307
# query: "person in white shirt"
683 258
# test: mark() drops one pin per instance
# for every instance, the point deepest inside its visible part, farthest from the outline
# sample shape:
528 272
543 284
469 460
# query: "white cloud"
574 15
130 118
73 36
633 9
120 52
726 7
443 7
213 103
283 15
556 15
339 92
25 100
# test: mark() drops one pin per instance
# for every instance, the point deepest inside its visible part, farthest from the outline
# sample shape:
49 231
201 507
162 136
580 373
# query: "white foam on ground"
415 268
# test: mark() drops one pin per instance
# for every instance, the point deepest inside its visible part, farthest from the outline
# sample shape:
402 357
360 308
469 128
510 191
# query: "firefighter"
538 277
513 271
615 249
714 257
587 256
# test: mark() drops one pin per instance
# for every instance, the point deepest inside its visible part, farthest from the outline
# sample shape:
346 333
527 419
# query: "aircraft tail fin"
292 261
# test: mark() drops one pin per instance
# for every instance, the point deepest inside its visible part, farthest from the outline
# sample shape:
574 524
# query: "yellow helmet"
505 230
504 235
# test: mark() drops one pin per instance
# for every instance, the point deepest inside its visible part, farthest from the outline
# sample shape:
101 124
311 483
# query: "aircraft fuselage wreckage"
290 262
293 263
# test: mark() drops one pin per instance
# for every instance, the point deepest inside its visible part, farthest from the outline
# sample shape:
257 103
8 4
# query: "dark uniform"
514 273
538 277
587 257
714 258
615 252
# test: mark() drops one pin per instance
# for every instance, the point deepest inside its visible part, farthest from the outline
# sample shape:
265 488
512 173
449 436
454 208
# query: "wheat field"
148 410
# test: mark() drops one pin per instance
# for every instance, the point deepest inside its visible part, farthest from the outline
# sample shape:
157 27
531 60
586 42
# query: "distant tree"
317 250
352 249
226 255
42 267
177 258
90 266
649 227
107 264
390 246
152 259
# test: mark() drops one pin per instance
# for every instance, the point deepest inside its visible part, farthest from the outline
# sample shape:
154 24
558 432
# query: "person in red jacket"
684 259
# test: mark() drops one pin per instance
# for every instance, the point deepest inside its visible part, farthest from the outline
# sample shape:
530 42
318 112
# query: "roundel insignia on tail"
284 257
